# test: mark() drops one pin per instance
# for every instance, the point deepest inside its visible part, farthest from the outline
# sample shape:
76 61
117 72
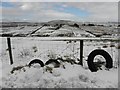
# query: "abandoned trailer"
92 64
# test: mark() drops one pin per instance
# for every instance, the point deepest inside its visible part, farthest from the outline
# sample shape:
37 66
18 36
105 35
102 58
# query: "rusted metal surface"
10 50
81 52
73 39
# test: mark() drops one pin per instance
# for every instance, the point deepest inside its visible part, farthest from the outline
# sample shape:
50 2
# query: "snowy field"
71 76
58 28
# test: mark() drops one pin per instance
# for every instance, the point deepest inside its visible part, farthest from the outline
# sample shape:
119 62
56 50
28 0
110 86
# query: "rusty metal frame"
63 39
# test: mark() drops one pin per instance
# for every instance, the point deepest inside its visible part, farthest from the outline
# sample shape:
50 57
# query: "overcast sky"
46 11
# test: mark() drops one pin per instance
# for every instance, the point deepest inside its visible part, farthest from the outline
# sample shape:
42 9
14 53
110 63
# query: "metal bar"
74 39
81 53
10 50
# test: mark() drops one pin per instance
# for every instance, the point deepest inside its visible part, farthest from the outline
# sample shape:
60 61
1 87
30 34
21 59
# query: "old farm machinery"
90 60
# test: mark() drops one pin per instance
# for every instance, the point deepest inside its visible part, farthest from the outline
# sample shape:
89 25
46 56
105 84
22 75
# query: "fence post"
81 53
10 50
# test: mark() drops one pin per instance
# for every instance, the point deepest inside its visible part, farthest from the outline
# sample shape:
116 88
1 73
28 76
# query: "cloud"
61 0
99 11
45 11
26 7
55 14
47 15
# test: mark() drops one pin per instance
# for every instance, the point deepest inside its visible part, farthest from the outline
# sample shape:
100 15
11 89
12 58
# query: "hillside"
58 28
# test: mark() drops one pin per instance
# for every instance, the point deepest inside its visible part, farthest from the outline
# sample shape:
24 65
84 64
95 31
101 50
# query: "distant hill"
59 28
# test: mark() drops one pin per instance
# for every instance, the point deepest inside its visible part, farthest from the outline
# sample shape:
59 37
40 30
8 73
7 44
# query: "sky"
47 11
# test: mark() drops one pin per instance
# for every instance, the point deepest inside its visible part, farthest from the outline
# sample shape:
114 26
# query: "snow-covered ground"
71 76
58 28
